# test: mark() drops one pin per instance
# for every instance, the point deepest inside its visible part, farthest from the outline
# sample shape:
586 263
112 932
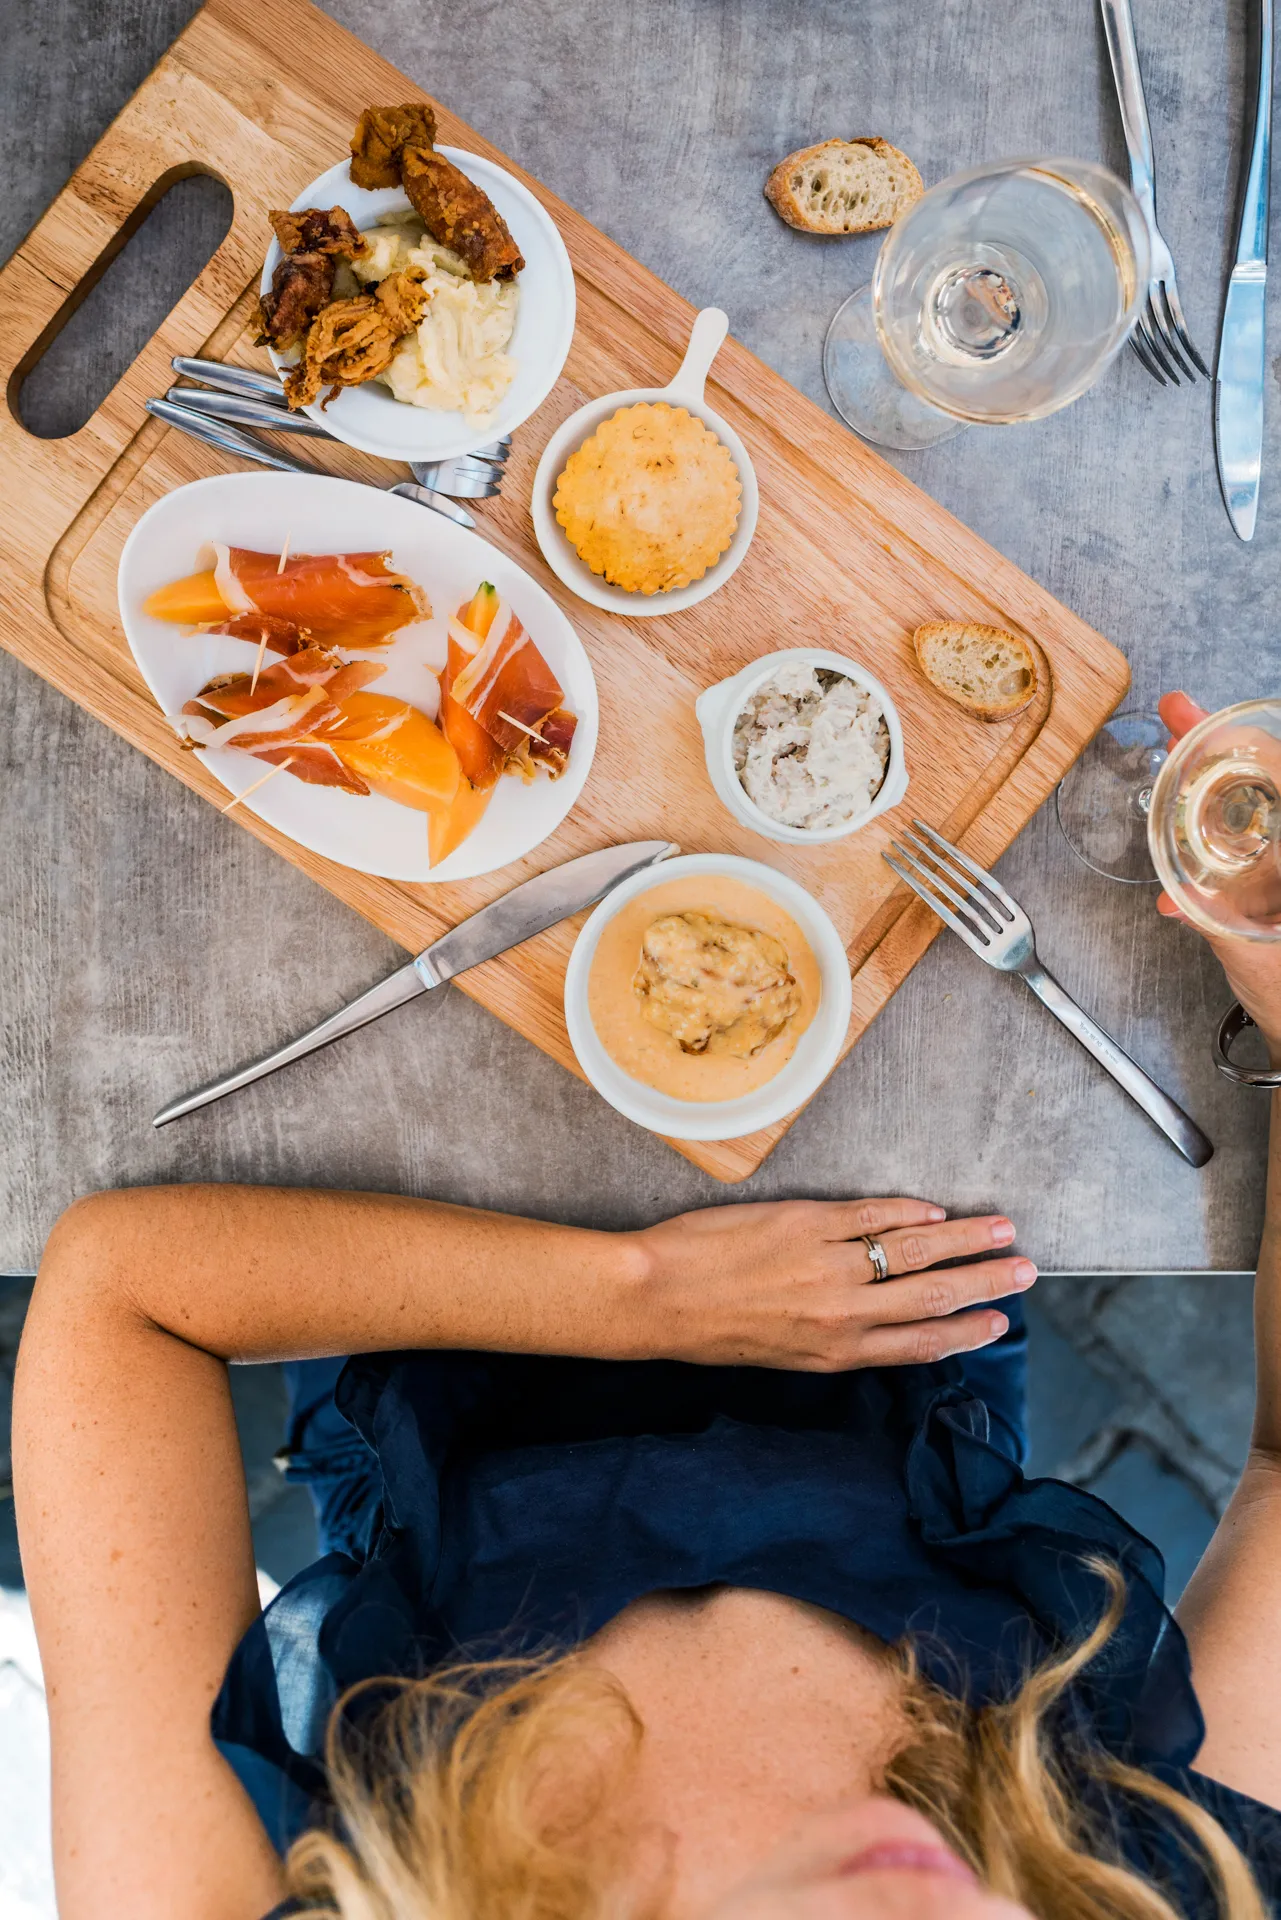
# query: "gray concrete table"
144 942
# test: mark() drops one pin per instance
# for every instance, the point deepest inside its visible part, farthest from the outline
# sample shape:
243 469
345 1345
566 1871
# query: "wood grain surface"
845 543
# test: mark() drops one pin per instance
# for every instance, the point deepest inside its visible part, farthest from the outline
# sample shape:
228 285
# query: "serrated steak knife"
514 917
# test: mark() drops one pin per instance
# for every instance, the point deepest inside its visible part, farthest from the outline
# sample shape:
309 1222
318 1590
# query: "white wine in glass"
1214 829
1000 296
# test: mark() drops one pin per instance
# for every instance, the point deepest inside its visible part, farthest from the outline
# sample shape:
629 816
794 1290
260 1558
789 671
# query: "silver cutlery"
514 917
1240 375
462 474
1160 338
994 926
467 477
231 439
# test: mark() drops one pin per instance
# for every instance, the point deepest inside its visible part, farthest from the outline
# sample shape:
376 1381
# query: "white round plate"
260 510
816 1052
369 417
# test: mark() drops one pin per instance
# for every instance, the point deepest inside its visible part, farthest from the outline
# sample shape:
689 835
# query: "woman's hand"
1253 967
790 1284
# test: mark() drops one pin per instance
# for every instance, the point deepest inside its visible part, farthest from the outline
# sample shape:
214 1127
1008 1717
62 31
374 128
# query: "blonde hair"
484 1791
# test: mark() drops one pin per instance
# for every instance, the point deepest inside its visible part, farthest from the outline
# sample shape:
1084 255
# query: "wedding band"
876 1254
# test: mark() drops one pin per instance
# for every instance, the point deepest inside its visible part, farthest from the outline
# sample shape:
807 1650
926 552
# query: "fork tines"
983 908
1161 338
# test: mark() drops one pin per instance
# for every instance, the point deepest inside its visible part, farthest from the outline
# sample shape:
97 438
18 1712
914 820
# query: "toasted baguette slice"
844 186
989 672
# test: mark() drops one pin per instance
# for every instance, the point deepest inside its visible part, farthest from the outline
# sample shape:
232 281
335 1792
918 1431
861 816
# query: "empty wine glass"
1000 296
1105 798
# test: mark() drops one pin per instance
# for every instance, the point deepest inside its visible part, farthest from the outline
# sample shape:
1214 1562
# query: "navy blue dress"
493 1503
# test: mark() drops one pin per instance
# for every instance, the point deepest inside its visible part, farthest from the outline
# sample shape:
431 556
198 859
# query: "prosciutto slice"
504 684
287 716
346 599
280 636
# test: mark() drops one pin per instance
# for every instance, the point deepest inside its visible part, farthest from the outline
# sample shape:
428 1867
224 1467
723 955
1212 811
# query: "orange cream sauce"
654 1057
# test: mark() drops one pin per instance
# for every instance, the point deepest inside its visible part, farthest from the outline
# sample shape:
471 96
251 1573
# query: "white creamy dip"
810 747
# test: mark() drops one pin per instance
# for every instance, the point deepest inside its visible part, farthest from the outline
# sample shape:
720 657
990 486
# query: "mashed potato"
457 361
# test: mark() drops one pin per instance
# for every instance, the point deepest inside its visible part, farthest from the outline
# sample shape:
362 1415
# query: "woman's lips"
907 1856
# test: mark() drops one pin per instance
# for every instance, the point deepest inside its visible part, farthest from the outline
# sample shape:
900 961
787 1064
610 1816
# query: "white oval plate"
816 1052
260 510
369 417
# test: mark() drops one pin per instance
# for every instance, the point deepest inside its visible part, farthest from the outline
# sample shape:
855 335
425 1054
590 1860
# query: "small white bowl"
370 417
816 1053
684 390
719 707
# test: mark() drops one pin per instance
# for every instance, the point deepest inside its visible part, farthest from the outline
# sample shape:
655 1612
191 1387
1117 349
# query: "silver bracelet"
1234 1022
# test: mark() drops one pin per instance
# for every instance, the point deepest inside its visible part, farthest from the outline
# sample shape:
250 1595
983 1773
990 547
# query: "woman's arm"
1231 1609
131 1499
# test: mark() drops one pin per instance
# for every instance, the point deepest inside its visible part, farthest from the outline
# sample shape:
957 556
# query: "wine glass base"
1103 800
866 394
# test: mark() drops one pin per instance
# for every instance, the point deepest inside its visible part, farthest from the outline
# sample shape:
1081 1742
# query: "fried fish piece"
301 286
351 341
314 231
381 136
458 215
715 987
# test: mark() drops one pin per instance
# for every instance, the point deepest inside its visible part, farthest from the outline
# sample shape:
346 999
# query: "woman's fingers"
1179 713
909 1249
926 1341
932 1295
851 1219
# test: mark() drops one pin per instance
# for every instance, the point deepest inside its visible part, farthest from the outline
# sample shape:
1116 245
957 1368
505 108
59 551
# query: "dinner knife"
265 388
1241 370
218 433
514 917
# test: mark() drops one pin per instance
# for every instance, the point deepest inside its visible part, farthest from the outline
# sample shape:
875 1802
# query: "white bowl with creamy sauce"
718 710
642 1070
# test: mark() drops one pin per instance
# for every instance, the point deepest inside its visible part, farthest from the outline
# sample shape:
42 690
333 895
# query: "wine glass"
1104 800
1214 829
1000 296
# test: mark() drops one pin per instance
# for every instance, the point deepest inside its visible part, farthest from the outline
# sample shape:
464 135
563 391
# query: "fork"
247 446
1160 338
249 399
994 926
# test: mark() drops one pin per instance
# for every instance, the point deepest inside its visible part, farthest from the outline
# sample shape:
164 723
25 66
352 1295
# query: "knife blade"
1241 370
529 909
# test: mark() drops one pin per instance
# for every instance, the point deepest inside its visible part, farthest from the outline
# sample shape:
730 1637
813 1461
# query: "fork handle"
1123 51
1179 1129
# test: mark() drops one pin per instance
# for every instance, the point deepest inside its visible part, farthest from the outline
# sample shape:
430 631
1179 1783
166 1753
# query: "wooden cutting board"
846 547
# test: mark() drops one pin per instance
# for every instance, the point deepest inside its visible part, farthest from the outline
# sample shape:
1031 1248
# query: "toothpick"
262 648
512 721
284 551
269 775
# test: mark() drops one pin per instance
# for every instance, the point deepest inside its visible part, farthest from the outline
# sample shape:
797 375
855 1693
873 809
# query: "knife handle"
231 439
1123 51
1252 237
243 410
213 373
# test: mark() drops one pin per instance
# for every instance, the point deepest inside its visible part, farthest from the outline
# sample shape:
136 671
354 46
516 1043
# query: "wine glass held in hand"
999 296
1216 844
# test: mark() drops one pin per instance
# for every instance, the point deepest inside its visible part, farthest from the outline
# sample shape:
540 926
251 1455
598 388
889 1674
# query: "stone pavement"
1129 1395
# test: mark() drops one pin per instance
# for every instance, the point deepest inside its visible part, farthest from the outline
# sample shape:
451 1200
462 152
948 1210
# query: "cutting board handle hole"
105 322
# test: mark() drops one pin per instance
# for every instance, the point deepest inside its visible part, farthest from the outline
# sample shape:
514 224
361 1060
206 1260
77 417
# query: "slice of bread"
844 186
989 672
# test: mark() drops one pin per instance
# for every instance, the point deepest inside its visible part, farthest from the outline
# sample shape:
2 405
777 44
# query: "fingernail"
938 1213
1002 1233
1024 1273
1000 1325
